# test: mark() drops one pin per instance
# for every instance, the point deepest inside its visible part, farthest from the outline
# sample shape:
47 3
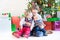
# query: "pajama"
37 29
25 31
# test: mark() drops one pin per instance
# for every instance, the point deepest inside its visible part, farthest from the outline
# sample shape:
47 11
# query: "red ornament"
48 16
49 5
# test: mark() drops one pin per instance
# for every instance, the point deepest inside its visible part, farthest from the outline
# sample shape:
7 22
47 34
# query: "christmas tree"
45 6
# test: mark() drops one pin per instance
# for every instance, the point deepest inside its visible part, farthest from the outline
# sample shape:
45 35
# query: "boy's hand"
35 18
44 25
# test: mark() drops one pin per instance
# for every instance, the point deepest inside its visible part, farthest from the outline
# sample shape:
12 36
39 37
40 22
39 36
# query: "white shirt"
40 18
23 22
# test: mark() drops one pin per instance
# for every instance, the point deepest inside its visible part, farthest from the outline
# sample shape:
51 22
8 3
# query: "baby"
39 25
25 23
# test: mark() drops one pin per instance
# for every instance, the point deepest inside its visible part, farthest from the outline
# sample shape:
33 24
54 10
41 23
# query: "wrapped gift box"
57 25
16 21
5 23
13 27
52 19
48 25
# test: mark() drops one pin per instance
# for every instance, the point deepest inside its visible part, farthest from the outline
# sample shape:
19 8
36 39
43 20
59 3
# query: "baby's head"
28 14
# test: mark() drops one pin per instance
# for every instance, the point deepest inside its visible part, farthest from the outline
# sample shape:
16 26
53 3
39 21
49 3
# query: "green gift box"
52 19
59 19
13 27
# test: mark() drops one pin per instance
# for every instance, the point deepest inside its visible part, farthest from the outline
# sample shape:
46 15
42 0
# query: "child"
25 26
39 25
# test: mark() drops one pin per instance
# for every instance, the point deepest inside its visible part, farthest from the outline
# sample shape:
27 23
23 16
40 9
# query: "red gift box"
48 25
16 20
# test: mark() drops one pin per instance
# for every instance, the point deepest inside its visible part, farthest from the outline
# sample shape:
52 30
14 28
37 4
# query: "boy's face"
34 12
33 3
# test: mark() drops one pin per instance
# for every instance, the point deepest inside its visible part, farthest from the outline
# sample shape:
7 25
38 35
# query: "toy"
13 27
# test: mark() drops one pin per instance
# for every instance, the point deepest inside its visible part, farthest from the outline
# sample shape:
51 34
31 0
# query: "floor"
7 36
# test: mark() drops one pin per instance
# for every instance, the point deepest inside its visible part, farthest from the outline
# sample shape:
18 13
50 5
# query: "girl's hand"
29 24
21 27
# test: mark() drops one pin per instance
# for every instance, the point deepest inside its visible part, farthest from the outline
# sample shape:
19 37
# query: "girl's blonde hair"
26 13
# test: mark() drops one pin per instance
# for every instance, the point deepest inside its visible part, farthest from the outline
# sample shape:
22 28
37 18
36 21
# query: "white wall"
16 7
